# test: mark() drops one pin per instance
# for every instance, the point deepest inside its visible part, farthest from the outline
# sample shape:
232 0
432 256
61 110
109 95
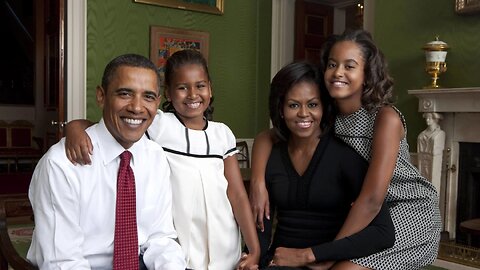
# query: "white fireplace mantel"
448 99
460 108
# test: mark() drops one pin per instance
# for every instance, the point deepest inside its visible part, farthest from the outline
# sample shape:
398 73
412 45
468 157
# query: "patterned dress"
412 200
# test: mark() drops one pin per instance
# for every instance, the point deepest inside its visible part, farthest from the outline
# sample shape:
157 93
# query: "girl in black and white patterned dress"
356 76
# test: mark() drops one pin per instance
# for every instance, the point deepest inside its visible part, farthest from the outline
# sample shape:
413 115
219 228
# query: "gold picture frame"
206 6
467 6
165 41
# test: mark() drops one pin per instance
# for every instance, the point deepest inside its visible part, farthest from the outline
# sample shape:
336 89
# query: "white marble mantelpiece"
460 108
448 99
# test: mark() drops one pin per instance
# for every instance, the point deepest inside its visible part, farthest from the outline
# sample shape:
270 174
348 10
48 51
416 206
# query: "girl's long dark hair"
378 85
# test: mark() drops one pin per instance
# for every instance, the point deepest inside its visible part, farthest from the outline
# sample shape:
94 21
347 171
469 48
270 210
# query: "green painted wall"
402 27
239 55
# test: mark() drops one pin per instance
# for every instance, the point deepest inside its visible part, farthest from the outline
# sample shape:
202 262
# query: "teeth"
339 84
304 124
133 121
194 105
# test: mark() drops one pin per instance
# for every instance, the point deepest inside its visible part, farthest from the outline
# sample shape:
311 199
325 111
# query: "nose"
338 72
303 111
192 92
136 104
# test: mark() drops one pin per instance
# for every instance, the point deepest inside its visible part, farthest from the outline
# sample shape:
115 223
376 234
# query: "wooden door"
54 84
313 24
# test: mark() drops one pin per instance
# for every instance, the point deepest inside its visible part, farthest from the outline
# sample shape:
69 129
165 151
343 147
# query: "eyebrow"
352 60
150 92
202 81
310 100
123 89
348 60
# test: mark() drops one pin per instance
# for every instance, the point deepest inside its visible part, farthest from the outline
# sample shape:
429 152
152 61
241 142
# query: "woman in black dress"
312 179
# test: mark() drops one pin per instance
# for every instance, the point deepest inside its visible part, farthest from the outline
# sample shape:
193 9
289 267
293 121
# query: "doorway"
283 20
31 84
32 80
313 24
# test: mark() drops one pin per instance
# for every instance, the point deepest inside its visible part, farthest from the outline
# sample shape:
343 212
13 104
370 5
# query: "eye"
181 87
349 67
201 85
151 97
124 93
331 65
312 105
293 105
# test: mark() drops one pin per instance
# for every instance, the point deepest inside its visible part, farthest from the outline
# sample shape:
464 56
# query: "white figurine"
430 145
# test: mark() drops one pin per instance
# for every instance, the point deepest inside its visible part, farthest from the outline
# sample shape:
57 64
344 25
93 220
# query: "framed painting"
164 41
207 6
467 6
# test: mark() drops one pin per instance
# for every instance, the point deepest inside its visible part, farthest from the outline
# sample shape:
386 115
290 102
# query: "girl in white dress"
210 203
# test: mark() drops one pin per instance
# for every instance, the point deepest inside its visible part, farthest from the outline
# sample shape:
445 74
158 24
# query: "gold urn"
435 55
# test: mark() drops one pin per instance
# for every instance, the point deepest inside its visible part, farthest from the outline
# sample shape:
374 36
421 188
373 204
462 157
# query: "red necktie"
125 250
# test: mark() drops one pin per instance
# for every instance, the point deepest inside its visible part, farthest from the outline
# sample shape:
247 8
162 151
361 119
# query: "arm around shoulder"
259 200
78 145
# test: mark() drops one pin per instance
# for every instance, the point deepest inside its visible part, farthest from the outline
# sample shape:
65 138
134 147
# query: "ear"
210 88
101 95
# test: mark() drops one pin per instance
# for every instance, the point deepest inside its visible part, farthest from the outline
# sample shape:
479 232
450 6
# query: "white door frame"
76 59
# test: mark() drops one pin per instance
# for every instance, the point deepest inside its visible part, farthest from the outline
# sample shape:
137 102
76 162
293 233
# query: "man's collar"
108 146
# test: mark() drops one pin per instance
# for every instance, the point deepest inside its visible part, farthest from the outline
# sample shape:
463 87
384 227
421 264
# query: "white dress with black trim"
202 214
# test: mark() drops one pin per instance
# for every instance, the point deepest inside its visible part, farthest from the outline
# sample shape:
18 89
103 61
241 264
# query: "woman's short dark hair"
177 60
284 80
378 85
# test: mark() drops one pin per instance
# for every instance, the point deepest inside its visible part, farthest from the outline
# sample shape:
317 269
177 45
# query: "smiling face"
130 103
344 73
302 110
190 93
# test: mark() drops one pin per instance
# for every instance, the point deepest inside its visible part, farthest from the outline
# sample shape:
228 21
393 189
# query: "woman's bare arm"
78 145
259 200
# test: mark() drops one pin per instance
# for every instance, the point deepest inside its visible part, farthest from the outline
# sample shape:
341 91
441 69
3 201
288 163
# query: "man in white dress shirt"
74 206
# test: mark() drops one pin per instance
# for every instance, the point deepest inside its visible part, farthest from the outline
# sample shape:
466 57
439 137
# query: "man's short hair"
129 60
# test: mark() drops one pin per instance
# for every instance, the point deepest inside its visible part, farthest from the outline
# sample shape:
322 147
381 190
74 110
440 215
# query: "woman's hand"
247 262
262 146
259 202
293 257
